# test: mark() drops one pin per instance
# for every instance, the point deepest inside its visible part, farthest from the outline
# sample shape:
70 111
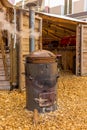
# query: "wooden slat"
84 50
21 85
78 50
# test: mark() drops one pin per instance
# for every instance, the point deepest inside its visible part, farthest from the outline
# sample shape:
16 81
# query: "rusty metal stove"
41 81
41 74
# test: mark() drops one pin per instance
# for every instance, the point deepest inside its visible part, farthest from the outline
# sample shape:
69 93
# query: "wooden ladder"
2 47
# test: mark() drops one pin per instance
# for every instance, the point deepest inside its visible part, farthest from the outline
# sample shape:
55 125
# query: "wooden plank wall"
67 54
84 50
24 43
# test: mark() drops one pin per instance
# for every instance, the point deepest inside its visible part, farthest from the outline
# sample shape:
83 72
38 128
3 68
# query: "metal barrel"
41 81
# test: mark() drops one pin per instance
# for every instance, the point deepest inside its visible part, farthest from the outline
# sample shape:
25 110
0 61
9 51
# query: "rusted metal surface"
41 56
41 80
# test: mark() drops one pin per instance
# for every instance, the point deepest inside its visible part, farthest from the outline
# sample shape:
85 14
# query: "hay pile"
71 113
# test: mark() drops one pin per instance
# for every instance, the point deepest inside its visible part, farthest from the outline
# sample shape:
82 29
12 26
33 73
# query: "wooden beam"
55 32
50 36
60 31
68 31
51 33
68 26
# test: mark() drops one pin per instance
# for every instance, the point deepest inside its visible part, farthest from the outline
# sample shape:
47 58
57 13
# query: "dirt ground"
71 113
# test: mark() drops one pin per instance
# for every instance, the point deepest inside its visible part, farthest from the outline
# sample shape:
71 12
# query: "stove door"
47 99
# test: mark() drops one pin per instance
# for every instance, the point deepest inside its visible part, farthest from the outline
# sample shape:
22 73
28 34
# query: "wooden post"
40 31
40 34
14 57
20 59
11 63
78 50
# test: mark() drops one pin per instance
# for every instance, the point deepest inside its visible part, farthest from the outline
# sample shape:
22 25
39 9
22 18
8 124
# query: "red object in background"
70 41
47 9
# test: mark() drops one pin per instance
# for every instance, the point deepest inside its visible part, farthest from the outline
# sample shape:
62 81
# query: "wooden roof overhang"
55 27
6 3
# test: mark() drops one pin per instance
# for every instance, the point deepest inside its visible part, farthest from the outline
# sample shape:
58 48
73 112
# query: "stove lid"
41 56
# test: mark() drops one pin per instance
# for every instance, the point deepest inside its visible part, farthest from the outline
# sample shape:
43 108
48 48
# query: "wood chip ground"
71 113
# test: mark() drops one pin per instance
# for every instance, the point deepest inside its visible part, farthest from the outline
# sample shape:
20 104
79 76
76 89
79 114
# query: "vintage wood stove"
41 81
41 76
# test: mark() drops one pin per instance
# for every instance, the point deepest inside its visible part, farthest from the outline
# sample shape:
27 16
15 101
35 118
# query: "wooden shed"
66 36
12 69
16 44
62 35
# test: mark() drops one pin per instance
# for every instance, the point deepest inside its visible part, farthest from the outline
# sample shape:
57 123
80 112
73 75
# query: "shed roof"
57 26
54 17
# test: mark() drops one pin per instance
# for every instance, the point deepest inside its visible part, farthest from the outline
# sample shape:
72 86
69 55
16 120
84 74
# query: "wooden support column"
40 34
20 59
11 62
78 50
13 58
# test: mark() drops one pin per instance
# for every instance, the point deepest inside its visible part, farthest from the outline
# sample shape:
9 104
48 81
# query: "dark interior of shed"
59 36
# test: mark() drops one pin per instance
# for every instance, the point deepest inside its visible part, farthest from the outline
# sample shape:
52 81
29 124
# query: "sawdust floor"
71 113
